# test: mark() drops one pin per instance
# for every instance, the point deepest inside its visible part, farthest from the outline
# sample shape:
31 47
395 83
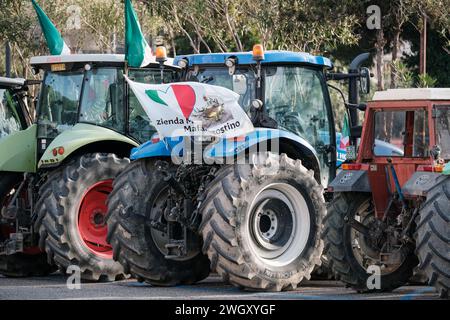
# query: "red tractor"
391 206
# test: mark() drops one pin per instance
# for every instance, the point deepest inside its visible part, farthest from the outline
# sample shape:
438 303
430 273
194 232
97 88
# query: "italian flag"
54 40
137 51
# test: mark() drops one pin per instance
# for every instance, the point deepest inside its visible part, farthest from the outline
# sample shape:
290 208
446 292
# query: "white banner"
192 109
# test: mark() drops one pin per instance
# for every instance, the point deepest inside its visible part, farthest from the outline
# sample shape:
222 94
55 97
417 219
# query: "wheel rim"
91 218
279 224
365 253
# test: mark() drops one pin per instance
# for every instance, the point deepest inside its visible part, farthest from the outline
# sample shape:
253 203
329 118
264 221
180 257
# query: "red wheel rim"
91 218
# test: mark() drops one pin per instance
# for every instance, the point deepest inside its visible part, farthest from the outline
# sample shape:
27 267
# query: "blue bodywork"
222 148
246 58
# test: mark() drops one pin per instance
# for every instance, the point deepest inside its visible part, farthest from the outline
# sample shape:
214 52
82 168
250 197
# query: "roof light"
161 54
258 52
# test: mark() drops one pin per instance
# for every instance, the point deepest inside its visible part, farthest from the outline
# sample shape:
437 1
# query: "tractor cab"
278 90
405 131
14 114
90 89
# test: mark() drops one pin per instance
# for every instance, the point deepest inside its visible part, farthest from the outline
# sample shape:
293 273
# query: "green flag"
54 40
137 51
346 127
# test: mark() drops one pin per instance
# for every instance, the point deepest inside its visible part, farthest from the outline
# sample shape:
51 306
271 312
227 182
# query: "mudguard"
18 151
78 136
350 181
421 183
221 148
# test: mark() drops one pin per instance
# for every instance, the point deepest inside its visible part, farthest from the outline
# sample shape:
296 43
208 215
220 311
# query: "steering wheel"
294 122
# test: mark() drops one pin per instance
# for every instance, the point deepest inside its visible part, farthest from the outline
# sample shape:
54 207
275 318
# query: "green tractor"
56 174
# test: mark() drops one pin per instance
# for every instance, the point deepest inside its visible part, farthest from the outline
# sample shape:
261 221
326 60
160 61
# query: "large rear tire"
19 264
433 238
262 223
71 214
137 198
350 254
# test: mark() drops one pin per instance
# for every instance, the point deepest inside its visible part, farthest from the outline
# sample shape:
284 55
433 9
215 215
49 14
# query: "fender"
350 181
18 151
422 182
221 148
78 136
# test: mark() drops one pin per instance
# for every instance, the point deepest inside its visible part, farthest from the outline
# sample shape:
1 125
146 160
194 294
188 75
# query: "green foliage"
405 77
426 81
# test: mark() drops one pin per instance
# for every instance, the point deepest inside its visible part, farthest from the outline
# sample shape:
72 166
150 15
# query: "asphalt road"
54 288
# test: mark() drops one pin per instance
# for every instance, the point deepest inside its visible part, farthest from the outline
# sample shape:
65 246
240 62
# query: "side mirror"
364 80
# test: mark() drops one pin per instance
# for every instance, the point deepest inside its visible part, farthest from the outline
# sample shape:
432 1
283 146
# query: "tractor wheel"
433 238
71 214
351 254
25 265
262 222
32 262
140 196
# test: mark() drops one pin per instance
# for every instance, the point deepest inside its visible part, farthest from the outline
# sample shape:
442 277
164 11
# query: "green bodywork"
18 151
79 136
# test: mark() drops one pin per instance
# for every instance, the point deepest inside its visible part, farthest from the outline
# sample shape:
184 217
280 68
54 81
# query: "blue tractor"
252 208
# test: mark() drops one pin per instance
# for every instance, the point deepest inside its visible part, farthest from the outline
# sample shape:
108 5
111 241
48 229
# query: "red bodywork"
380 178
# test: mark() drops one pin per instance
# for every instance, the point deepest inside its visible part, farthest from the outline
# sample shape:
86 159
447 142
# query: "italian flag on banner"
192 109
54 40
137 51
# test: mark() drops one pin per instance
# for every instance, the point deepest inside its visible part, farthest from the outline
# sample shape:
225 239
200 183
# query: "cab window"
242 82
401 133
59 98
295 98
9 116
443 130
102 98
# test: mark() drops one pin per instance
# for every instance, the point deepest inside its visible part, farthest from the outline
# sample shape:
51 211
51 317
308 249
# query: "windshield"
9 113
102 98
401 133
58 103
443 130
242 82
140 126
295 96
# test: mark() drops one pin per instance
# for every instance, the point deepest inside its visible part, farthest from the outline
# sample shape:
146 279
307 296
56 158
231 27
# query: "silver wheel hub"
279 224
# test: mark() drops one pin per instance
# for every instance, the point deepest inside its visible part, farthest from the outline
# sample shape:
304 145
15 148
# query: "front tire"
350 253
71 214
261 223
433 238
139 197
